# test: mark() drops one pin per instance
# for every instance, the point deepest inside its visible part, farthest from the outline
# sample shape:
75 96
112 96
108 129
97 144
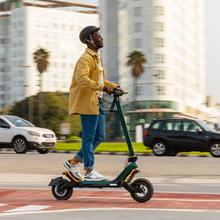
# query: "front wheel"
20 145
62 193
143 190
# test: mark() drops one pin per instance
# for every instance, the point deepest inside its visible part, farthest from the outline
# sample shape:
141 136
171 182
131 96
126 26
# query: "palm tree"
41 58
136 59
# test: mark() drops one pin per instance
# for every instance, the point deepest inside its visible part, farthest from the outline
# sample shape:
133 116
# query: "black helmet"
85 32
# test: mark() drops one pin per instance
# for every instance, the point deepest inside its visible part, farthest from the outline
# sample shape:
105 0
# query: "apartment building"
25 26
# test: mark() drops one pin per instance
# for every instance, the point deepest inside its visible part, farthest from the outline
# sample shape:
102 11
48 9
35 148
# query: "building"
171 35
26 25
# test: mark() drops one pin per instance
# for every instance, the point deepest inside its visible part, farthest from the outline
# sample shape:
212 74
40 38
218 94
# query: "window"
160 58
3 124
159 10
137 11
156 125
159 26
137 43
160 74
172 126
159 42
137 27
160 90
191 126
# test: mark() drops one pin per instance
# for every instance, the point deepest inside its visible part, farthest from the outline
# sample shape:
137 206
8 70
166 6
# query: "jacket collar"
91 52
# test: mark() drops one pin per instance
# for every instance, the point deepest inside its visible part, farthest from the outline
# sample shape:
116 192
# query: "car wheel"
43 151
215 149
160 148
20 145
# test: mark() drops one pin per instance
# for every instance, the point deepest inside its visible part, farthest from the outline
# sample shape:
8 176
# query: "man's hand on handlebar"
107 89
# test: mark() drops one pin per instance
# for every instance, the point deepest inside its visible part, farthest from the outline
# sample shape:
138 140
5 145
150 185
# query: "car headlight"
33 133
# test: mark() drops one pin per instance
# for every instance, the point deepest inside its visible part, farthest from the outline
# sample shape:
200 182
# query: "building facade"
170 33
29 26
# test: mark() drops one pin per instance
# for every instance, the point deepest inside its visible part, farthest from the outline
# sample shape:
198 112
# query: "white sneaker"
74 169
94 176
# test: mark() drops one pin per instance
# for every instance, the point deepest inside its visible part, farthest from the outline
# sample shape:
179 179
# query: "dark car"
171 136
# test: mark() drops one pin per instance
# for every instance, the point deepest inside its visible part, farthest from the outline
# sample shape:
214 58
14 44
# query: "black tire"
146 187
61 193
215 149
20 145
160 148
42 151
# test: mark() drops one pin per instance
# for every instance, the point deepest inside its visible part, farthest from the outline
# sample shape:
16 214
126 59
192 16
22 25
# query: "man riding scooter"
86 99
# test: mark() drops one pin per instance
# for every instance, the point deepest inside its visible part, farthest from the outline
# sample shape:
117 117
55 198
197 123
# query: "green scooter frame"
141 190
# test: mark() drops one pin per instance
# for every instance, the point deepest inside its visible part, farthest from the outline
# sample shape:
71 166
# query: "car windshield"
18 122
205 126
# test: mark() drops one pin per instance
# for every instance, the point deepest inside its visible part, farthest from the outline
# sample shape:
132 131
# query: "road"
185 188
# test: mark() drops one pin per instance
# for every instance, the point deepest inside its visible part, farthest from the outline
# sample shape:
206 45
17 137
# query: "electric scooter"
141 190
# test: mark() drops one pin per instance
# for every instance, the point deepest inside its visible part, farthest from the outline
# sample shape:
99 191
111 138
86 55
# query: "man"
86 99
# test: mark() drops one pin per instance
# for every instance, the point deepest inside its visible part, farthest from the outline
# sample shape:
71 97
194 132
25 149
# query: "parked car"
21 135
171 136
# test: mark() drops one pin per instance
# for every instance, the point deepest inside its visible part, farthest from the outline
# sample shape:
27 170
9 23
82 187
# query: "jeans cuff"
89 168
78 158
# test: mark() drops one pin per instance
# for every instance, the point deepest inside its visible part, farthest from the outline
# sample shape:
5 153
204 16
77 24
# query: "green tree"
41 58
55 112
136 59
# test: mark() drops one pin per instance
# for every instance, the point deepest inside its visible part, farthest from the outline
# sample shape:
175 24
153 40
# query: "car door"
194 136
5 133
172 130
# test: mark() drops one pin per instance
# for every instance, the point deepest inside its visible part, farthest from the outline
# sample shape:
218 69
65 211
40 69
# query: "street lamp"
28 84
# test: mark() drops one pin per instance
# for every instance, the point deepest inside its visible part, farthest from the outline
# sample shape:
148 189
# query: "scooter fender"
59 181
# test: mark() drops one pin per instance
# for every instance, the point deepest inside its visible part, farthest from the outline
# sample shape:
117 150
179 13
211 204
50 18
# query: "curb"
109 153
102 153
125 153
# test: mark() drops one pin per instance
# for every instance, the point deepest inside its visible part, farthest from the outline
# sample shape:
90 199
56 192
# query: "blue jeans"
93 133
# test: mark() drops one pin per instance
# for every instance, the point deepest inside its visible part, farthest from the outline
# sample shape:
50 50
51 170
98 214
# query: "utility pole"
28 85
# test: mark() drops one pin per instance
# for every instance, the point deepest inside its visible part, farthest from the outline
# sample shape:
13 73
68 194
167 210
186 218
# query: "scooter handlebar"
118 92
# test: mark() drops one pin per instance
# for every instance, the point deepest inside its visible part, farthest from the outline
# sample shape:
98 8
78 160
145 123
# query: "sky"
212 45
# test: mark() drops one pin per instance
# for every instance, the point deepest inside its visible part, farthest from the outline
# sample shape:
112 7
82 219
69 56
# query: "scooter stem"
124 126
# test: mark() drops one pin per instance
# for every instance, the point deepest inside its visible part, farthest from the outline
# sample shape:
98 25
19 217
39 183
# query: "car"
22 135
168 137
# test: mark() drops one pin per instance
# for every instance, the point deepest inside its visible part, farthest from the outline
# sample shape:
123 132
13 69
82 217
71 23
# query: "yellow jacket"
83 97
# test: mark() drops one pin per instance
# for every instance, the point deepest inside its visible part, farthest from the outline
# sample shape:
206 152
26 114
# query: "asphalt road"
194 175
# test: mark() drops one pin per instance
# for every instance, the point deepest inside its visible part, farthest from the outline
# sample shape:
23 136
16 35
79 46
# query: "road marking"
111 209
1 204
28 208
154 199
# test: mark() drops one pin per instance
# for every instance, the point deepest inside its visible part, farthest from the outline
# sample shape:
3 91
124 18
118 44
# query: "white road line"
154 199
28 208
112 209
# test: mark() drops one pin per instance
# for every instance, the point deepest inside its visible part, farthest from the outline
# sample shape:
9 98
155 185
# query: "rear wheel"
62 193
20 145
143 190
215 149
160 148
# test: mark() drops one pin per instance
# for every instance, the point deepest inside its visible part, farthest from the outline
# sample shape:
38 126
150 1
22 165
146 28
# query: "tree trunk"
40 104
